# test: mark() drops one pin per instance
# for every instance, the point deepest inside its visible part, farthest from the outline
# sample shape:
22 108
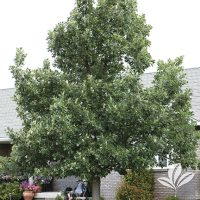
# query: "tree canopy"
89 113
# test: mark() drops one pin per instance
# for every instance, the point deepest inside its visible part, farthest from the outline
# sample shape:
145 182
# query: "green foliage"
172 198
142 179
175 110
98 40
130 192
9 171
89 113
90 198
8 190
198 134
59 197
3 164
8 166
137 185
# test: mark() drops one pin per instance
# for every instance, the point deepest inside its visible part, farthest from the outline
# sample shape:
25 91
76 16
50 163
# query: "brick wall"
189 191
110 184
198 150
61 183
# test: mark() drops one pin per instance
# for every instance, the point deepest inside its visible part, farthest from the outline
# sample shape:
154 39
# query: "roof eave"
5 140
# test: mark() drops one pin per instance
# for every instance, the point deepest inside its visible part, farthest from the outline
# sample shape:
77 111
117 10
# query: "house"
190 191
8 118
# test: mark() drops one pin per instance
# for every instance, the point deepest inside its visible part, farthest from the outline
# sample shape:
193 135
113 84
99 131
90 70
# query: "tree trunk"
96 188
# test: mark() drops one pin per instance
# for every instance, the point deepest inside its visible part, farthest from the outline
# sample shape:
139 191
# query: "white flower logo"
176 178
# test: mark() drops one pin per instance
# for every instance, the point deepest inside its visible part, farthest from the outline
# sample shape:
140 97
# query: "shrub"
10 189
172 198
141 179
129 192
9 171
8 166
59 197
137 185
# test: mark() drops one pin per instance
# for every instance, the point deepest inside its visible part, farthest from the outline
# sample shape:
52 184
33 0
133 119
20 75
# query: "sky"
25 23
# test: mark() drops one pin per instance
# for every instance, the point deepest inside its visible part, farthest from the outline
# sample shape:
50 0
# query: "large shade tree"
89 113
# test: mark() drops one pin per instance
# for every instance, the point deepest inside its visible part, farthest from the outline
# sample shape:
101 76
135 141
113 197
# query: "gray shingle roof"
8 114
193 78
